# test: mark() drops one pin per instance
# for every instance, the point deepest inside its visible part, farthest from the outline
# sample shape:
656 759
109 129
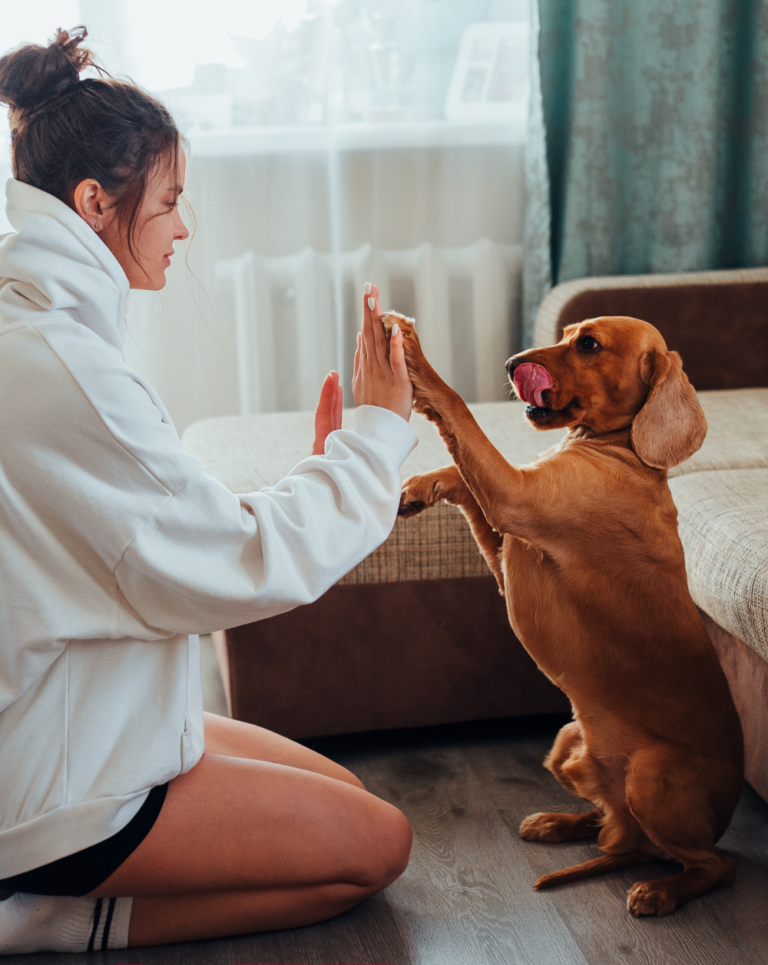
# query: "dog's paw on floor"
650 898
557 827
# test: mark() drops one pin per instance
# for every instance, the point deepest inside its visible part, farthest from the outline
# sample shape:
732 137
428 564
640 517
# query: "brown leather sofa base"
747 675
386 655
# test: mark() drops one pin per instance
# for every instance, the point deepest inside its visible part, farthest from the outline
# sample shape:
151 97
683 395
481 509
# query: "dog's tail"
606 862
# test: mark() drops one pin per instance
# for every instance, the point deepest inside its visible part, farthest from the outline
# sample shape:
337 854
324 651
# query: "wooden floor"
466 898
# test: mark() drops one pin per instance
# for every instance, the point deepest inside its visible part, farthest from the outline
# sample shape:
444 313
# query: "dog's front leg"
447 484
487 474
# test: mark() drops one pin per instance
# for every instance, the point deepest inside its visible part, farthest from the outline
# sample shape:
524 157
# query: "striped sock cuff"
36 923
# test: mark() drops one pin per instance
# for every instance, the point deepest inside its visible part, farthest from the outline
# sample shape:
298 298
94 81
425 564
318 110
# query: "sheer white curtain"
331 142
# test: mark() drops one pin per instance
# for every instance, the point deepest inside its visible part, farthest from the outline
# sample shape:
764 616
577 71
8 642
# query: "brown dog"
584 545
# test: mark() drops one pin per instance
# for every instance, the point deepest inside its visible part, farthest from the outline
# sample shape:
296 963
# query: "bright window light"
197 32
33 23
224 65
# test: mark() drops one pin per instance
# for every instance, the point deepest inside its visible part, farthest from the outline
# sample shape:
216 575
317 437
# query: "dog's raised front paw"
388 319
418 494
425 379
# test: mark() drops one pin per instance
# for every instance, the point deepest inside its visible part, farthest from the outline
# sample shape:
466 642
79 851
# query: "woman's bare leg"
244 845
235 738
190 918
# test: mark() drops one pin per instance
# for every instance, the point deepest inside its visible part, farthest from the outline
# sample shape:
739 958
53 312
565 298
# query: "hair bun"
32 75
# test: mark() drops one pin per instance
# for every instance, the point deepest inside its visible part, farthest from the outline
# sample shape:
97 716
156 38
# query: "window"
332 142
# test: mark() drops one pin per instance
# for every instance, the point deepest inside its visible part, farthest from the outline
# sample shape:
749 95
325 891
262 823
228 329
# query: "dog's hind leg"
676 814
600 783
554 827
704 872
565 756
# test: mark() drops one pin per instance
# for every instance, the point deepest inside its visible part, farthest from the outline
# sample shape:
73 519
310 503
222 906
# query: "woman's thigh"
235 738
233 823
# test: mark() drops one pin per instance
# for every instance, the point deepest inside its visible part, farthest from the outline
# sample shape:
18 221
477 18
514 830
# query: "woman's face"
158 226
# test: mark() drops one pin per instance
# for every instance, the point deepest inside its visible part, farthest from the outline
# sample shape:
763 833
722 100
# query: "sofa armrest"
717 320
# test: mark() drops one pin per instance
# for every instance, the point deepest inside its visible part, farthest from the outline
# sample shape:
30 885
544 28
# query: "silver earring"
96 225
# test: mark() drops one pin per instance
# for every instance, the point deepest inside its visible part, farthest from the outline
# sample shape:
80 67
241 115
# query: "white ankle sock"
42 923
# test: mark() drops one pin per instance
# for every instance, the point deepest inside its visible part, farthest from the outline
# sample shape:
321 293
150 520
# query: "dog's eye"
589 344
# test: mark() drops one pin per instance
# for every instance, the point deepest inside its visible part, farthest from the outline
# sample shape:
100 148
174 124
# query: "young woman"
127 815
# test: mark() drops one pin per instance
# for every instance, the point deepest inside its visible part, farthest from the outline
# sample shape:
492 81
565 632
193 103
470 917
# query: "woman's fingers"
338 407
368 345
358 353
327 396
381 376
374 338
379 336
325 412
397 355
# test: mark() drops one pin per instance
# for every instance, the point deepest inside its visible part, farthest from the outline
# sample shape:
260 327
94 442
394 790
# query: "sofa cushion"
737 432
250 452
723 523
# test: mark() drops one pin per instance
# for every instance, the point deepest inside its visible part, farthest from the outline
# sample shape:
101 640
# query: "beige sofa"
417 633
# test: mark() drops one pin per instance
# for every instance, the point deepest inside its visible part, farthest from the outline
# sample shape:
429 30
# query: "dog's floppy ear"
671 425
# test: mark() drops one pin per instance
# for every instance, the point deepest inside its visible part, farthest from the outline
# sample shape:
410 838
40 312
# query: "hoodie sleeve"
209 559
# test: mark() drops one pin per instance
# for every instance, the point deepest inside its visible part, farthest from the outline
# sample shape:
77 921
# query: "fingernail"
371 303
368 288
395 329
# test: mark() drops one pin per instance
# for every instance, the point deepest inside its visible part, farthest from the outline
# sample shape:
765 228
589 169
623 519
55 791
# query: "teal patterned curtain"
648 142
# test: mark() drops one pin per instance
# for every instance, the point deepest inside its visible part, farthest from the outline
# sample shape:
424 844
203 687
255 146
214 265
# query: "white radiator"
466 302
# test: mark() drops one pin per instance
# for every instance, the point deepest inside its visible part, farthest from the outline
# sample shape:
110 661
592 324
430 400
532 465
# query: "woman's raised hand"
328 411
380 377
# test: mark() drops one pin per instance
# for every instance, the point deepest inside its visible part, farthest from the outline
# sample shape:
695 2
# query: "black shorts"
78 874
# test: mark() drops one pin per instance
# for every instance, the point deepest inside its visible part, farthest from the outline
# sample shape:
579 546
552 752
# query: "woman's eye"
590 344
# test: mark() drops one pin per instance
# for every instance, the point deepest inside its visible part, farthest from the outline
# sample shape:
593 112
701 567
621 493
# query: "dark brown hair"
64 129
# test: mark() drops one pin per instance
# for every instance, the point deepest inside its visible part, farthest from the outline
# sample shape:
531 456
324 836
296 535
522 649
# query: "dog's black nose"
511 364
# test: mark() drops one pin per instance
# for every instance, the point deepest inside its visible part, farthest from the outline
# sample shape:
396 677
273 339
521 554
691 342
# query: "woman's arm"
209 560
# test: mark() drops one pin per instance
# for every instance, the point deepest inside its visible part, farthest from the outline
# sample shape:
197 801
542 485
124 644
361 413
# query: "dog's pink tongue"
530 382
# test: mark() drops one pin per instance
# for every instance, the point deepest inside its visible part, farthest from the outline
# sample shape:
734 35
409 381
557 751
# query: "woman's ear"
91 202
671 425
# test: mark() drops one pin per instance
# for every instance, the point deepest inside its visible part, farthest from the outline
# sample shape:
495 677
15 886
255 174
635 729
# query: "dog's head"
610 373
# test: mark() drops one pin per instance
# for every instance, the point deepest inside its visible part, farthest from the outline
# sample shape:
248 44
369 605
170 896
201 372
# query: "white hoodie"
115 545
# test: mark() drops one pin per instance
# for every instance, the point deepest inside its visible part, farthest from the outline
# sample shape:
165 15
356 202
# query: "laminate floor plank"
467 897
463 915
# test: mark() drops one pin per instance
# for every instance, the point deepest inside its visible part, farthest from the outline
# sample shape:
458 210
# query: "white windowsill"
235 141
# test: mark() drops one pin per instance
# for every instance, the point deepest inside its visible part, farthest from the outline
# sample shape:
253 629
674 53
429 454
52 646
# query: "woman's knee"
401 842
385 849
